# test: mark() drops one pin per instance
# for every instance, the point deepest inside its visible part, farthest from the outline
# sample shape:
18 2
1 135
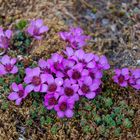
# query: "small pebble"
138 62
105 22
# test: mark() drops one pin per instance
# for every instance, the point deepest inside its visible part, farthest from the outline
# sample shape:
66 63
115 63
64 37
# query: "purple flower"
88 88
51 100
36 28
35 80
75 37
67 65
18 93
56 65
77 73
134 80
121 77
5 38
8 65
103 63
95 74
44 66
64 107
54 84
69 52
70 90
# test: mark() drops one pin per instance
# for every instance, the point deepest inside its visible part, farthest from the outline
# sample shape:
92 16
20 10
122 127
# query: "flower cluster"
64 78
127 77
5 37
68 78
35 29
75 37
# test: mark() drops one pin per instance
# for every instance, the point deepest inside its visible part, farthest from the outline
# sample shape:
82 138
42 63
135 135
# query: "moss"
21 24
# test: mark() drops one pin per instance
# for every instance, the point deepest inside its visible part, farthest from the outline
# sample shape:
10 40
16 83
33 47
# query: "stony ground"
115 29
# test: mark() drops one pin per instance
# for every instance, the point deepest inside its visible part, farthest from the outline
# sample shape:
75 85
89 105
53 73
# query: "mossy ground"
112 115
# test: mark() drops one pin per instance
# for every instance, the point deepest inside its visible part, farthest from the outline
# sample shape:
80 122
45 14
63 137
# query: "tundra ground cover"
66 127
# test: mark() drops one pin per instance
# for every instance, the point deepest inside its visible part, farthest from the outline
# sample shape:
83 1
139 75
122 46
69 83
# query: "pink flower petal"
42 63
75 97
18 101
80 54
94 86
8 33
50 79
37 88
85 72
1 32
60 114
13 61
36 71
63 99
14 70
59 74
125 71
43 78
13 96
69 113
91 65
88 80
2 70
75 87
27 79
15 87
30 30
91 95
29 88
5 60
39 23
43 29
59 81
69 51
38 37
88 57
124 84
44 88
80 92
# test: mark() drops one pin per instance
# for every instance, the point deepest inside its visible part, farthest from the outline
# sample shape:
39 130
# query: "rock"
138 62
105 22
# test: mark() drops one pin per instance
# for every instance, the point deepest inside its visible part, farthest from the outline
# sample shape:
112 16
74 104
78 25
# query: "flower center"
20 93
82 61
52 87
63 106
92 75
85 88
36 80
56 65
36 31
4 40
46 70
52 101
69 91
121 79
76 75
8 67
